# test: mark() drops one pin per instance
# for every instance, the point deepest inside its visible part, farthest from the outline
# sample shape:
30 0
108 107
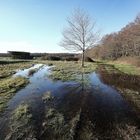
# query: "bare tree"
79 35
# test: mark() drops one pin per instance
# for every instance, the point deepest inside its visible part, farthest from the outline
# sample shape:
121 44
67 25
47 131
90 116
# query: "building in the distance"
20 55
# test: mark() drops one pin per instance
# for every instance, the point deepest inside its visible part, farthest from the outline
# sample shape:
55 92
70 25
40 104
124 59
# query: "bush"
53 58
70 58
50 64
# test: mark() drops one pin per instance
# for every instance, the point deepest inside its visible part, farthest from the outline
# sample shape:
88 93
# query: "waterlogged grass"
128 84
62 75
128 69
55 126
7 70
54 123
8 88
127 132
111 69
8 84
47 96
68 71
20 123
122 67
132 96
22 111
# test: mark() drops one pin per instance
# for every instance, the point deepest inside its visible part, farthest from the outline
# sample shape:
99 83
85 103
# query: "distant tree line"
121 44
60 56
43 56
20 55
4 54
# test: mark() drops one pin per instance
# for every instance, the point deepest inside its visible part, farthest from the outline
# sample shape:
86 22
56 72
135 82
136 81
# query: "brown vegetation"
129 60
121 44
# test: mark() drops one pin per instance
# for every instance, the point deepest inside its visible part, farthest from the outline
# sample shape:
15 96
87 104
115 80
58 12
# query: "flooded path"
86 110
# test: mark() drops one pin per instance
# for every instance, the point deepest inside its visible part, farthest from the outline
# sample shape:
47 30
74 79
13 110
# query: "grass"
7 70
68 71
63 70
57 127
21 111
47 96
128 69
8 88
125 80
10 85
132 96
127 132
122 67
21 124
53 123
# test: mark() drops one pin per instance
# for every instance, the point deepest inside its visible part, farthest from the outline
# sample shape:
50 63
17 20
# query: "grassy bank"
128 84
8 84
131 96
123 67
21 123
63 70
128 69
66 71
7 70
8 88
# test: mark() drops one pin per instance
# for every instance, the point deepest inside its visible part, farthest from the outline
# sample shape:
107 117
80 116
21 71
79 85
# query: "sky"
37 25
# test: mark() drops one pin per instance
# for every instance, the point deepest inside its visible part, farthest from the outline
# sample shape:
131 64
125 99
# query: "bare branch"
79 35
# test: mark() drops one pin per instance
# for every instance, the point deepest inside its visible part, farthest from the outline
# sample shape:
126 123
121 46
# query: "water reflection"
120 80
85 109
102 108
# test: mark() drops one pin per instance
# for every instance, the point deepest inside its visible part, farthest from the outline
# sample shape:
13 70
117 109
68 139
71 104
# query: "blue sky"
36 25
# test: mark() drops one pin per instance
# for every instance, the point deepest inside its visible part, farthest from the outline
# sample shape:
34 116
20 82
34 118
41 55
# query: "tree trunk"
83 58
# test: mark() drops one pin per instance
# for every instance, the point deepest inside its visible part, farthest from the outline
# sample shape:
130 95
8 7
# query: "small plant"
8 88
54 124
47 96
22 110
50 64
21 123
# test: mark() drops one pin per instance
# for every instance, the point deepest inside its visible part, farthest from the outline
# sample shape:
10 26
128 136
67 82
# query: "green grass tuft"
68 71
20 123
8 88
47 96
128 69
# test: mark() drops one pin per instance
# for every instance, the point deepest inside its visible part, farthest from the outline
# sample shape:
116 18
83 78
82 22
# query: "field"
61 100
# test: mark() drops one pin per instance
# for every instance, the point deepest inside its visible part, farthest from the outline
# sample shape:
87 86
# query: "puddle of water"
39 84
119 80
100 104
109 105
